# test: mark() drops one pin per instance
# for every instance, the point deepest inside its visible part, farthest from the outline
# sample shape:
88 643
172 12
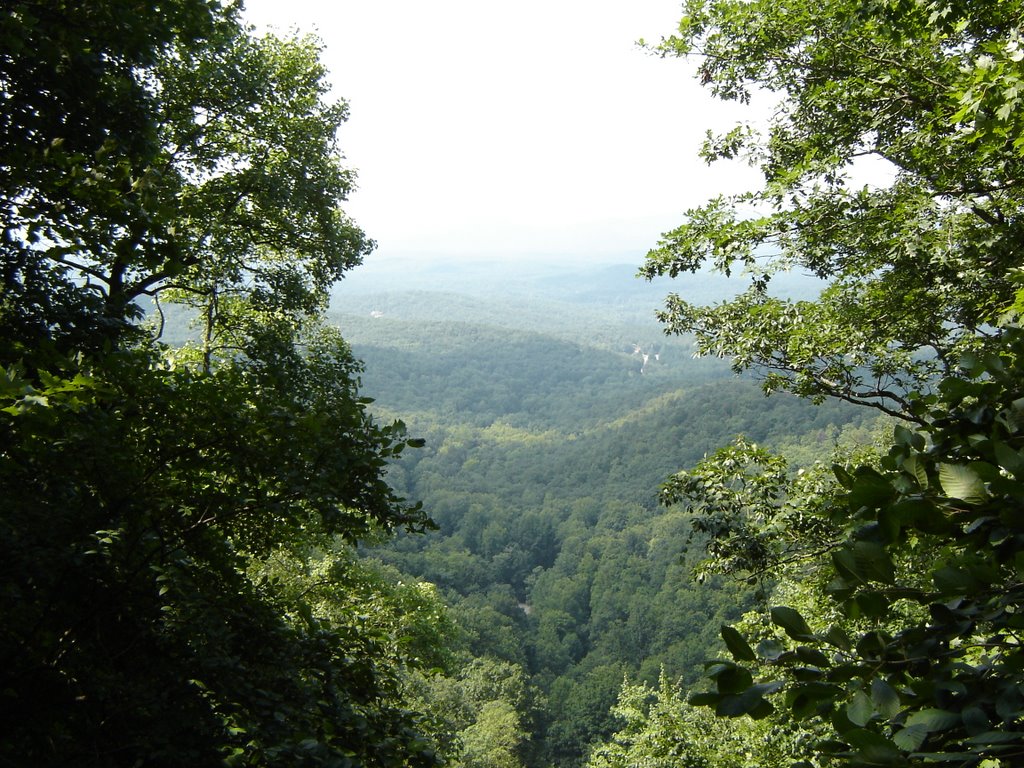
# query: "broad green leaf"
956 581
934 719
915 466
737 645
843 476
792 622
873 562
704 699
962 482
732 678
763 709
910 738
873 748
885 698
904 436
956 758
812 656
873 644
859 709
808 673
870 490
813 692
734 705
915 513
871 605
831 747
773 649
846 566
838 638
975 720
1009 459
748 702
997 737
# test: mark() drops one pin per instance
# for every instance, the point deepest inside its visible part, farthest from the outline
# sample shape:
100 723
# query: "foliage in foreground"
923 94
924 662
905 637
149 497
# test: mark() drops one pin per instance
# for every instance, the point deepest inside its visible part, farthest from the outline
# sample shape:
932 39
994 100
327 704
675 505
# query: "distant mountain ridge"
608 284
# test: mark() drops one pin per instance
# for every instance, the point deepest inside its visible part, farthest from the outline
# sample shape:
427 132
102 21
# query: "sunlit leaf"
961 482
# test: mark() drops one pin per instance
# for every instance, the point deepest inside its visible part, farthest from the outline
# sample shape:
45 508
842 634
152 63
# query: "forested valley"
751 501
545 447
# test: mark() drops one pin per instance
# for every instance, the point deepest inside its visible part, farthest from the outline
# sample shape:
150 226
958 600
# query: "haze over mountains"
610 285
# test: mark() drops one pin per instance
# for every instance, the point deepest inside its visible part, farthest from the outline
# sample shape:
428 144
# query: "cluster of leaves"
135 498
741 498
660 730
917 267
481 711
150 150
928 572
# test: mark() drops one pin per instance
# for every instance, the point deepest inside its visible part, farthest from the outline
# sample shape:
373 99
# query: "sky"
514 130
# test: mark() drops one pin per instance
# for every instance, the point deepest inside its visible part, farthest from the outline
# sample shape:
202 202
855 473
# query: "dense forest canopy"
547 434
212 552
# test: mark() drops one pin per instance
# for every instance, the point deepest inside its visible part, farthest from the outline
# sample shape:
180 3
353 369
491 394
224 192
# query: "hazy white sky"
501 129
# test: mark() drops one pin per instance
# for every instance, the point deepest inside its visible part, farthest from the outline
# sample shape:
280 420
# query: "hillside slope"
553 406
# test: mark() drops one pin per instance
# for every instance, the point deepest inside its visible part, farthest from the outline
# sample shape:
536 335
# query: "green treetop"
915 269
